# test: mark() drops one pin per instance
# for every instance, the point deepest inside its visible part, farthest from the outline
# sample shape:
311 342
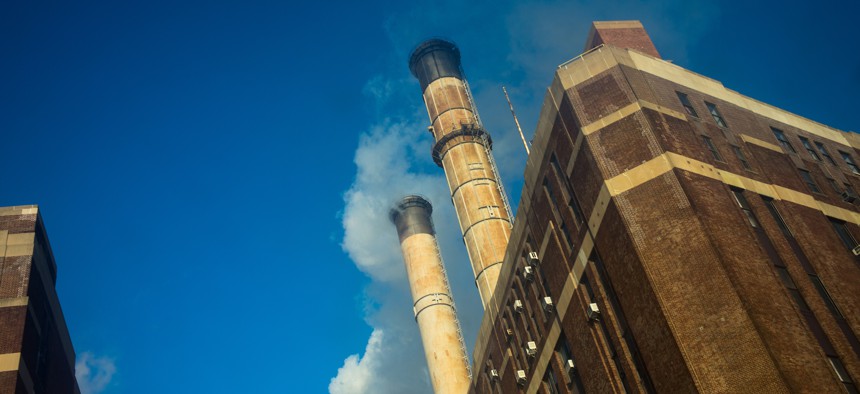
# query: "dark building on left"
36 353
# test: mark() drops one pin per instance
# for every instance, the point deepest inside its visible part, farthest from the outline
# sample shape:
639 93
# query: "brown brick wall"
8 382
32 276
11 328
634 38
17 224
15 276
764 297
652 333
698 289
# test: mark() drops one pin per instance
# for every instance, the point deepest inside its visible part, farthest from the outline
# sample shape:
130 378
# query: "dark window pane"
712 148
824 152
834 185
807 177
776 216
786 278
850 162
685 101
825 295
742 202
716 114
742 157
843 233
547 185
780 136
809 148
836 363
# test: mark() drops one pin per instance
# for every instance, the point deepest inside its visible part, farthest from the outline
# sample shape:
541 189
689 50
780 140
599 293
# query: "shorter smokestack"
432 303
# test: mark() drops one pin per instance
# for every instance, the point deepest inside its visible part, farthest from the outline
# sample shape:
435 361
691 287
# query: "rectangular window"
716 114
556 166
780 136
566 233
712 148
547 187
843 233
825 295
745 206
577 211
809 149
776 216
742 157
807 177
563 350
834 185
850 162
842 373
685 101
824 152
789 284
551 381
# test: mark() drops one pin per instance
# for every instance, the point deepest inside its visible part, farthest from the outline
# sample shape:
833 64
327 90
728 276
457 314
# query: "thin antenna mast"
517 121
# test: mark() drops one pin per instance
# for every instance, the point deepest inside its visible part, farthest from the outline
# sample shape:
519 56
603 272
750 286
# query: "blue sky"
213 175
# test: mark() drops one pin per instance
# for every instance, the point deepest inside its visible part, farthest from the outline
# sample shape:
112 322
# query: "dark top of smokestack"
434 59
412 216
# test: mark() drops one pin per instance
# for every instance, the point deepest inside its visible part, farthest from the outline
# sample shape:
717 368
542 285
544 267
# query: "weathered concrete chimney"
462 149
433 306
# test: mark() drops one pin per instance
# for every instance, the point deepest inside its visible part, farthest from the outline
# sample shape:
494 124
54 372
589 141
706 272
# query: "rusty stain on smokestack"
462 149
433 306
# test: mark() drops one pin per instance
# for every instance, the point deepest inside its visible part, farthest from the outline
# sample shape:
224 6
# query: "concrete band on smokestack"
433 306
462 149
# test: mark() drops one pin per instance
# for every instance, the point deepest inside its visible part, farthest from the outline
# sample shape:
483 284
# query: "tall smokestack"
433 306
462 149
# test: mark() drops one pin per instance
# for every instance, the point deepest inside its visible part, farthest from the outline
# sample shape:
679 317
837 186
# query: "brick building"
36 354
675 236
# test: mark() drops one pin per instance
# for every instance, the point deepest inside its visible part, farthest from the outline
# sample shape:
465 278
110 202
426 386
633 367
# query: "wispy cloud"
94 373
393 361
514 44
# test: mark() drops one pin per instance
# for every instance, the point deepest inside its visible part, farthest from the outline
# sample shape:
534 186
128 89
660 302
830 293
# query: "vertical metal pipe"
462 149
433 306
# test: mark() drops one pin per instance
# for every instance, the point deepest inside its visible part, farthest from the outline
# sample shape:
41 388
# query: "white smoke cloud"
393 361
515 44
362 375
94 373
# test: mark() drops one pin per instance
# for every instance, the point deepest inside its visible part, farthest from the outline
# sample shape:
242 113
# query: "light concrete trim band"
9 362
599 60
19 210
668 161
627 111
11 302
763 144
570 285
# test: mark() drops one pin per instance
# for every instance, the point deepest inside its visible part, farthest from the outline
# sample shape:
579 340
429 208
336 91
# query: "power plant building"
672 235
36 353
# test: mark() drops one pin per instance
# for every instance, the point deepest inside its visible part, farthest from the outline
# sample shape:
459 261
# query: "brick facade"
715 268
36 354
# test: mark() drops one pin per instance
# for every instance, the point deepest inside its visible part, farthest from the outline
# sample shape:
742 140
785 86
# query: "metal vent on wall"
528 273
593 312
533 259
547 304
521 377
